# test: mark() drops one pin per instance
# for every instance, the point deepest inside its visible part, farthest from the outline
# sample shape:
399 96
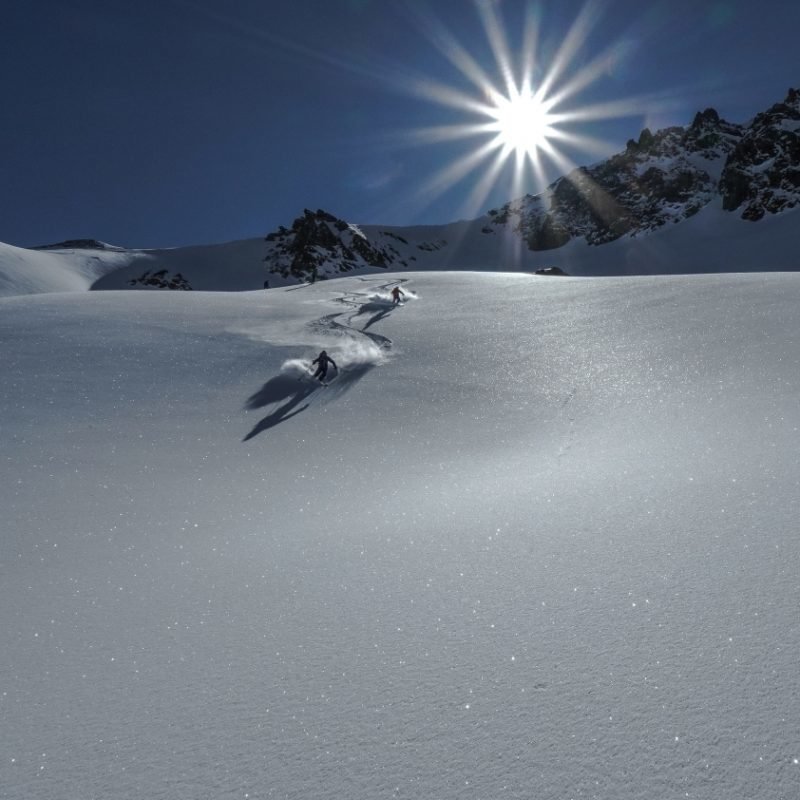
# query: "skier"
396 292
322 361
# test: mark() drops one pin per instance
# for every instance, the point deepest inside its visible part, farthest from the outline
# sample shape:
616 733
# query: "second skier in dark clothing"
322 361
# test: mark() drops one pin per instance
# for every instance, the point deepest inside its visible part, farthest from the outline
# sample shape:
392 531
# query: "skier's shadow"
281 387
380 309
288 388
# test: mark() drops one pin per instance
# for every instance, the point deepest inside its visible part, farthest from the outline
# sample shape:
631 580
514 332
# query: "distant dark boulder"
551 271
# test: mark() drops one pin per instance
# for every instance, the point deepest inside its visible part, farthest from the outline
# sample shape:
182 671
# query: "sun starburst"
522 123
521 117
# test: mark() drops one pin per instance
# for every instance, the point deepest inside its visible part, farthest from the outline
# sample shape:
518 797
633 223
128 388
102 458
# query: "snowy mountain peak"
318 239
709 135
667 177
762 175
663 177
321 245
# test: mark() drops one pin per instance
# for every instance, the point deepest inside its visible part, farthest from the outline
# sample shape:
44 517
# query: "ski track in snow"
356 351
377 304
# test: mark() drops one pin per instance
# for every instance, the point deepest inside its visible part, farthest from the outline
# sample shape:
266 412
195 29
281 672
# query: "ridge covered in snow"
668 177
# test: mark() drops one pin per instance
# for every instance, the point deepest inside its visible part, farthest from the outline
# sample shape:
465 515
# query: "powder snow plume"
349 356
386 297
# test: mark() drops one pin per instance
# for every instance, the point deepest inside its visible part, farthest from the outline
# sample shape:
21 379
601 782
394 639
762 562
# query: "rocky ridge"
762 174
662 178
321 245
161 279
667 177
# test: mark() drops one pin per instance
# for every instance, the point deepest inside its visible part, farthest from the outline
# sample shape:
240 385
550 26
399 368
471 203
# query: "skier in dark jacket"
396 292
322 361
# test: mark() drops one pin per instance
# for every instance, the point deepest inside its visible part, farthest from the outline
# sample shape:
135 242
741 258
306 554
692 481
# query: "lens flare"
519 106
522 123
525 118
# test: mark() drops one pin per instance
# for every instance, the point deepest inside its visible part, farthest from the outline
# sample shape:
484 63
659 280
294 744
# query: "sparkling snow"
539 539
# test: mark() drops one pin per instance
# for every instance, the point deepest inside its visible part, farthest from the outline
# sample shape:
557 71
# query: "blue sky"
172 122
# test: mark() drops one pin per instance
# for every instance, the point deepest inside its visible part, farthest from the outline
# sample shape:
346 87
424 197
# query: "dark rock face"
661 178
319 245
762 175
161 279
668 176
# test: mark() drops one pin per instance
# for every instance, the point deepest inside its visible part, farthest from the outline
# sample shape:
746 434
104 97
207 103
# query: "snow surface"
24 271
538 539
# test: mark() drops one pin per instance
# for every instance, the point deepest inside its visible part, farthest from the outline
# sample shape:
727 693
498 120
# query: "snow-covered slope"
539 539
711 241
232 266
24 271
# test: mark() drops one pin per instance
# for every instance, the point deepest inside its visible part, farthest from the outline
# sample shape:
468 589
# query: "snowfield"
538 539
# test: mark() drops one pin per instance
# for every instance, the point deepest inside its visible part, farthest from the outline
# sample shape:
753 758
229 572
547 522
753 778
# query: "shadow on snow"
380 309
291 392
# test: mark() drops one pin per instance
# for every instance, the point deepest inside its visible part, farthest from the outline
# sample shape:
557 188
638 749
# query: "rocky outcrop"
161 279
320 245
668 176
661 178
762 175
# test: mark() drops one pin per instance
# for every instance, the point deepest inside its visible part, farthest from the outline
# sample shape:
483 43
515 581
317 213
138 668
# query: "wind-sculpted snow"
543 546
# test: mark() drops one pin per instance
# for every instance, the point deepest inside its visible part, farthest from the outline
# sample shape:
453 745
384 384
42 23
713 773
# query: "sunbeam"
523 115
529 114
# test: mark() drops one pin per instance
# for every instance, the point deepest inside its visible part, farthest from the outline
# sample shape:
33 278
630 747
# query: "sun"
522 123
523 115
